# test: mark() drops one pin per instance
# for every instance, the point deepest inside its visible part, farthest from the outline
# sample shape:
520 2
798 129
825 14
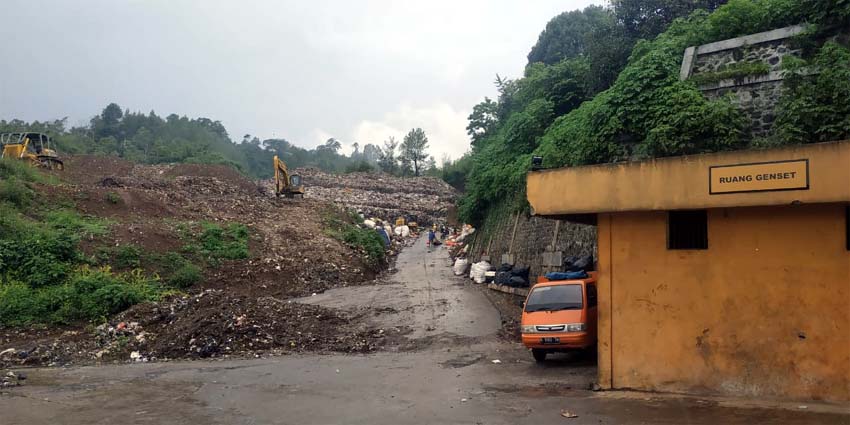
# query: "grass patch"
87 294
44 277
214 242
113 198
344 227
735 71
128 257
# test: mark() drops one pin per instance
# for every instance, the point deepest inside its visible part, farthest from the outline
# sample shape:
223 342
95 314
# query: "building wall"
534 237
683 182
764 311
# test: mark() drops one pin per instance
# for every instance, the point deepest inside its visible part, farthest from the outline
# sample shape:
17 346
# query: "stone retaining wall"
756 95
536 242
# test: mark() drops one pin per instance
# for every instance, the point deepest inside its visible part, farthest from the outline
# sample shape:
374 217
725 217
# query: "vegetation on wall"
734 71
556 110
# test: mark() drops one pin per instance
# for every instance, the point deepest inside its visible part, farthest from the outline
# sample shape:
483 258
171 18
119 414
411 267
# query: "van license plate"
550 340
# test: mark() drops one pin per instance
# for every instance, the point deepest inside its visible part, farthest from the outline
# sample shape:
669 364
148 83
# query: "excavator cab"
31 147
288 185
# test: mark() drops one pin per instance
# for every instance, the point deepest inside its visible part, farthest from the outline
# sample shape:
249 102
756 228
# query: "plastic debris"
567 414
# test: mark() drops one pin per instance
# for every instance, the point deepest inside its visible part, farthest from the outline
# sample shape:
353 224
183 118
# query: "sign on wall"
759 177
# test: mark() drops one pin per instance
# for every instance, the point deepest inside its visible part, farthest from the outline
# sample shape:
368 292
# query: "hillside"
217 257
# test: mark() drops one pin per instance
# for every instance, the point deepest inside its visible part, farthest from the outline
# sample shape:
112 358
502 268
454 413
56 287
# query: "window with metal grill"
687 229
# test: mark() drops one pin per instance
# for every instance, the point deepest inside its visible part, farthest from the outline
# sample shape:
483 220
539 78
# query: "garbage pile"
239 307
396 234
12 378
458 241
424 200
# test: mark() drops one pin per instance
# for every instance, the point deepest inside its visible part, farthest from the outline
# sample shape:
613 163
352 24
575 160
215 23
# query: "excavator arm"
286 184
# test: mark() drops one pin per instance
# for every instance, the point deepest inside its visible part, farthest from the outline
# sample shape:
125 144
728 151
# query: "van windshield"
550 298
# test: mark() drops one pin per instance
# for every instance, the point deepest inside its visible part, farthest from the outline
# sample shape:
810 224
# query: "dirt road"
441 371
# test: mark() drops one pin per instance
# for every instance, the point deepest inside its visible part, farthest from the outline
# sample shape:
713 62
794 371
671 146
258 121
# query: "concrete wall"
756 96
764 311
533 238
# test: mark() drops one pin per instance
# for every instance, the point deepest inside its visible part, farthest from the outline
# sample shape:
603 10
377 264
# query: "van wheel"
539 355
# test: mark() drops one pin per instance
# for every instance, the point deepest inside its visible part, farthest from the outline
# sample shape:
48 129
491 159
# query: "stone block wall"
756 95
533 239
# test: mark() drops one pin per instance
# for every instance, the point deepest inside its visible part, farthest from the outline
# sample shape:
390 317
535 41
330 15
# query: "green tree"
567 35
387 160
413 149
648 18
482 121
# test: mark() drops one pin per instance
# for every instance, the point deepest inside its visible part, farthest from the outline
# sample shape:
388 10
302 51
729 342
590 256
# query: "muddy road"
441 371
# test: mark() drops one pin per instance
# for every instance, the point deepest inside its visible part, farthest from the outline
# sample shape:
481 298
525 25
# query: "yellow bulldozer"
286 184
31 147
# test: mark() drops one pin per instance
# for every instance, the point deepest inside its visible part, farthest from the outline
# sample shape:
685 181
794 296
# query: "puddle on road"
463 361
542 390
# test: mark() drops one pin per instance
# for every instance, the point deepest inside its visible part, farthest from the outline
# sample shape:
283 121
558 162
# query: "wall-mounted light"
536 163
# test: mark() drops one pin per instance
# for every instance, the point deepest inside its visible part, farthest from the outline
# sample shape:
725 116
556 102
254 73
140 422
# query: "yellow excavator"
286 184
31 147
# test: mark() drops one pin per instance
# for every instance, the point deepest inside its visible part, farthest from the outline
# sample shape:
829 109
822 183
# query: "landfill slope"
241 307
424 200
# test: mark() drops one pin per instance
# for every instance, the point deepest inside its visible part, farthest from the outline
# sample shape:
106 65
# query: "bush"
229 242
128 257
13 168
87 294
71 221
816 108
113 198
342 227
185 276
15 192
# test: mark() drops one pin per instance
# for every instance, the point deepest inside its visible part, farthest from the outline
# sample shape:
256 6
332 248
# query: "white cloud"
319 137
444 125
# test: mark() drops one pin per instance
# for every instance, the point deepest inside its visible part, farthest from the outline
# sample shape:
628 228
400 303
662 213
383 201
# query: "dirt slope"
240 307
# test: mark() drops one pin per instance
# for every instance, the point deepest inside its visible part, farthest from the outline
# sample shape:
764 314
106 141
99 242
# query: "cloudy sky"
301 70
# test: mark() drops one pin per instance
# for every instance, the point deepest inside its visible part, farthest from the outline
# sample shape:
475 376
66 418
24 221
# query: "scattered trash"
802 407
463 400
12 379
497 361
567 414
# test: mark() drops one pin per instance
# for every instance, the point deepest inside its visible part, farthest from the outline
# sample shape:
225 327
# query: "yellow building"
723 273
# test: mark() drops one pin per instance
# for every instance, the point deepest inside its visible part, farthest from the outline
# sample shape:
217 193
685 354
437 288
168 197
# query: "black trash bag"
569 261
583 264
503 278
505 267
518 282
520 272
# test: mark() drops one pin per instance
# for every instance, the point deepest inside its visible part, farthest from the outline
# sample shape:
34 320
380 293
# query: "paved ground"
448 378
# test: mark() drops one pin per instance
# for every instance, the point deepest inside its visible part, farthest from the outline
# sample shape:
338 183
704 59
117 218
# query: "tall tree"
387 160
567 35
482 121
413 149
371 153
648 18
331 145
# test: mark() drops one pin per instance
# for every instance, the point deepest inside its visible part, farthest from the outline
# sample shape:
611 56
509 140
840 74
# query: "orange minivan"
560 316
